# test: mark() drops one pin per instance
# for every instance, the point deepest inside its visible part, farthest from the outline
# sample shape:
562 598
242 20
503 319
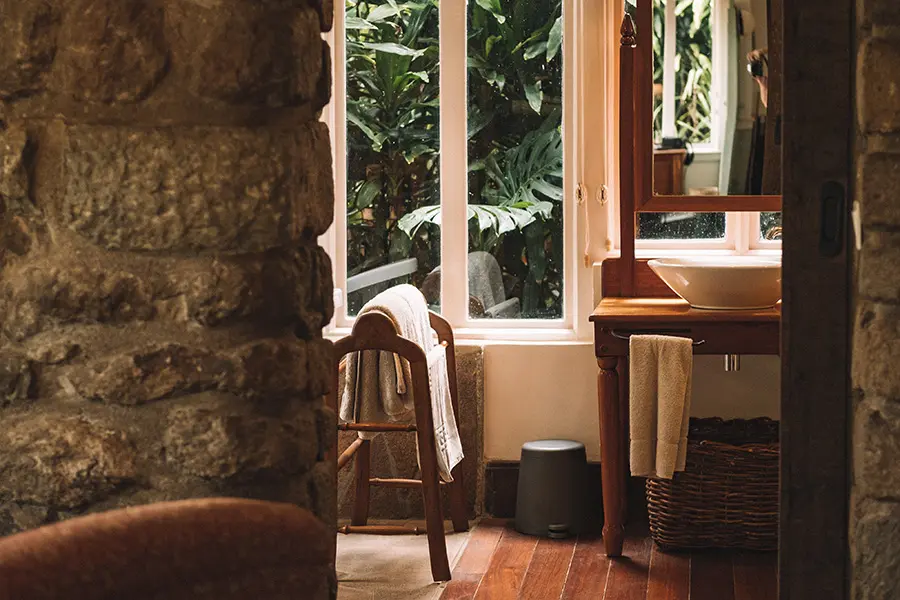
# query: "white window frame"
577 301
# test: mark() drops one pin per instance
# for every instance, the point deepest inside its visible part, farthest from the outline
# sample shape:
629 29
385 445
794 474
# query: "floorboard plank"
506 571
547 572
628 574
712 576
756 576
670 576
588 571
474 562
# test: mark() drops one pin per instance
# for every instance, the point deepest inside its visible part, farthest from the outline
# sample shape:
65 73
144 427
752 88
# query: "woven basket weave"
727 496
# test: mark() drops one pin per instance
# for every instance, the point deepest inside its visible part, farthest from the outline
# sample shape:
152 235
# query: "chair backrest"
223 549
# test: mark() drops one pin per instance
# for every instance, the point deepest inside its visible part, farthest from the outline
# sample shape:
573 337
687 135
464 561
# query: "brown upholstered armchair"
222 549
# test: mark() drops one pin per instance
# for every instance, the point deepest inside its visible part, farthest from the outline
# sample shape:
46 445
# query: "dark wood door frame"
818 129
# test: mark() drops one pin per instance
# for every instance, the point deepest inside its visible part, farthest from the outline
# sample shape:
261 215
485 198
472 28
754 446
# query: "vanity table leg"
612 456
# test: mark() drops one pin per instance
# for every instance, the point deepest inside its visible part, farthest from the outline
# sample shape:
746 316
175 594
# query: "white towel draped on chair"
378 384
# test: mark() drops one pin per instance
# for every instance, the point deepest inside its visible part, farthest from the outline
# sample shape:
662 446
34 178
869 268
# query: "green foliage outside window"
514 140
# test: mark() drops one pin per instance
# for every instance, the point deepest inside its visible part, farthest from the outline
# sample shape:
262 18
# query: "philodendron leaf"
535 95
554 41
493 7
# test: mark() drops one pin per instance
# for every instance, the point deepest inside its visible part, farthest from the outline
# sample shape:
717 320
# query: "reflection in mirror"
710 95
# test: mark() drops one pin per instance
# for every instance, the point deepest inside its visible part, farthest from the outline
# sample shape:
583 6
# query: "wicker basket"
727 496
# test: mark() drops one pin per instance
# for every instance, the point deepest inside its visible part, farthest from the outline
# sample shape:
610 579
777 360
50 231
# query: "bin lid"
552 446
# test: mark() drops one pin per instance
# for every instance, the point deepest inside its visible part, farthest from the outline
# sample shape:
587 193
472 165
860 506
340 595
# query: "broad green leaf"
554 42
367 194
392 48
493 7
535 95
351 22
382 12
535 50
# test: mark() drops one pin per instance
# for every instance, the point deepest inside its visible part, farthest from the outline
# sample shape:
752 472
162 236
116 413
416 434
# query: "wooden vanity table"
634 299
615 319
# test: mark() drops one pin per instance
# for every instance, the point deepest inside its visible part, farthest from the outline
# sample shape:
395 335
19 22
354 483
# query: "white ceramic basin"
726 283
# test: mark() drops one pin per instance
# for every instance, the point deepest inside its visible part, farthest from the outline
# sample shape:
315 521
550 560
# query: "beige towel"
378 385
660 374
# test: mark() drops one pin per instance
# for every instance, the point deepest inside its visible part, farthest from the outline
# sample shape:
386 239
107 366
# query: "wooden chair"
374 331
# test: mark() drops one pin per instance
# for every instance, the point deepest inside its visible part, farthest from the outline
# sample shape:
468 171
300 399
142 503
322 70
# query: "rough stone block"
28 42
16 378
249 53
879 266
88 286
62 461
17 213
876 342
877 188
875 563
194 189
219 438
111 51
882 12
320 366
269 369
878 85
877 448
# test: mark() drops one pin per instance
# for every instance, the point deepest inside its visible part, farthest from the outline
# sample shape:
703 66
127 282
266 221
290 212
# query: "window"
453 160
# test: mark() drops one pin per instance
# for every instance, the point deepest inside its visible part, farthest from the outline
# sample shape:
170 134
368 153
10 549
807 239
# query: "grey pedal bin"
552 494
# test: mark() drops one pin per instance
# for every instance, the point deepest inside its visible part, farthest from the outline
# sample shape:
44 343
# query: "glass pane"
681 226
393 188
770 226
515 104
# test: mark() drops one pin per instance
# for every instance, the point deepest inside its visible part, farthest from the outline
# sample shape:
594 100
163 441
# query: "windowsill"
647 253
493 337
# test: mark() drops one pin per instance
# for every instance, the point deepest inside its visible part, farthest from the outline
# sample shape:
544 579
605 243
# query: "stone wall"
163 181
875 518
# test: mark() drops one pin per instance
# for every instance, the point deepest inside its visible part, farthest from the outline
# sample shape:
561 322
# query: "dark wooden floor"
501 564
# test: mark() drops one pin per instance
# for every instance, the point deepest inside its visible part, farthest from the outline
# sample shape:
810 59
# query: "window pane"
393 189
515 104
770 226
681 226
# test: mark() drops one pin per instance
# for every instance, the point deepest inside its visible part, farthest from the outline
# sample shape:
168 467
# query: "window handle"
831 229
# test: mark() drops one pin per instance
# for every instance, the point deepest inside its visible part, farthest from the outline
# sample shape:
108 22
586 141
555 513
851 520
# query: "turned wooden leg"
612 456
360 514
458 512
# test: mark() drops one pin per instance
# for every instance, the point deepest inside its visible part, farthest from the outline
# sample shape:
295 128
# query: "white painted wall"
535 391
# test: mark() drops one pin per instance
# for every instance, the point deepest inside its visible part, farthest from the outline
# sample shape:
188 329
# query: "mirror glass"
711 82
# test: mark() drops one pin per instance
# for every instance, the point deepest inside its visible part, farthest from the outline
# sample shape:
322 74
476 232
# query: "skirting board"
502 480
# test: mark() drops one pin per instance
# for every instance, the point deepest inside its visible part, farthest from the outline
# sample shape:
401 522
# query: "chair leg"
431 496
362 466
458 512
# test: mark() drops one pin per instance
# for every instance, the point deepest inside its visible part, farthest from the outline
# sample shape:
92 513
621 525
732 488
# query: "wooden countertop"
674 310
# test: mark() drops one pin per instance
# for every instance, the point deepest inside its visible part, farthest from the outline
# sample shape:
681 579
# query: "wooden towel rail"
374 331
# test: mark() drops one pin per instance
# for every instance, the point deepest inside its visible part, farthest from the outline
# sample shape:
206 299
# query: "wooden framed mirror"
733 119
703 88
